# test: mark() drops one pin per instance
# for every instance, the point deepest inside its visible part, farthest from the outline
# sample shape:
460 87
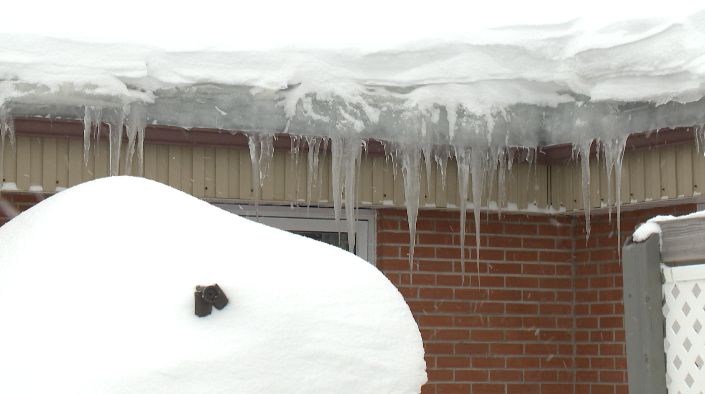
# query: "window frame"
298 218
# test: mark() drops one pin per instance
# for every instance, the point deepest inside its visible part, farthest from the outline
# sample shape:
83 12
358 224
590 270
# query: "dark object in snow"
207 297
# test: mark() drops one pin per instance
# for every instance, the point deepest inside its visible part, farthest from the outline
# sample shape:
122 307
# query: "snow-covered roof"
97 283
527 85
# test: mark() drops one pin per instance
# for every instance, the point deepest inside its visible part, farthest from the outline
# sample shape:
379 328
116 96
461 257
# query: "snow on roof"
526 85
97 290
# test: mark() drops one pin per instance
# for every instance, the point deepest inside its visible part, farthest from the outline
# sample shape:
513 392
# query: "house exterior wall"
547 316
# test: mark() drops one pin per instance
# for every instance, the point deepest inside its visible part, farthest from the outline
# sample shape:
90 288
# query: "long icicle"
411 171
462 160
584 152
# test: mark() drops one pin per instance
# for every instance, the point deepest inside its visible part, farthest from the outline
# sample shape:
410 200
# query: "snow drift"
96 289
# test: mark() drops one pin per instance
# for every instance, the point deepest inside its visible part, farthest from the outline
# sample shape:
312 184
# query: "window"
316 223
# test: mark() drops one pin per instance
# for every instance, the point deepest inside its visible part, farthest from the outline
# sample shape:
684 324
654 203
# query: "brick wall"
13 203
511 334
547 316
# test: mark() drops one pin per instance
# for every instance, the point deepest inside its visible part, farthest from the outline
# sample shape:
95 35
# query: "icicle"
336 174
478 162
700 138
314 144
140 150
261 152
115 131
346 153
135 126
584 153
501 180
614 154
441 157
462 159
295 142
427 150
411 171
7 131
92 118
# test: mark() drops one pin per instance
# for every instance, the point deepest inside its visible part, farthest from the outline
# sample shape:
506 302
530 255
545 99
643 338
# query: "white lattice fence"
684 310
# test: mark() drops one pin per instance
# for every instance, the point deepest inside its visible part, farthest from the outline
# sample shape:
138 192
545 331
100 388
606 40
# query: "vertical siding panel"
556 198
452 198
278 173
523 182
604 189
652 169
199 173
684 170
209 167
187 169
577 188
163 164
325 190
75 162
388 183
10 164
541 187
233 173
48 171
23 162
698 171
365 181
102 160
290 173
668 171
378 180
36 162
222 167
62 162
247 191
150 162
637 187
174 167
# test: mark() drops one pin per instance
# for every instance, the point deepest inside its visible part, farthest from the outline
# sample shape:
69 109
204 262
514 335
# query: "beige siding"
48 164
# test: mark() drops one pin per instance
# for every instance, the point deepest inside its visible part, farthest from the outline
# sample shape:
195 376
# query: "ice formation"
479 101
96 288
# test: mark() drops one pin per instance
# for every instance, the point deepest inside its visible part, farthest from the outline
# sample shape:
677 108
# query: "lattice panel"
684 310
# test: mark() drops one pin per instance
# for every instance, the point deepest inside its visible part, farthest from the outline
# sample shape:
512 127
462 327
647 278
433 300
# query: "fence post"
643 317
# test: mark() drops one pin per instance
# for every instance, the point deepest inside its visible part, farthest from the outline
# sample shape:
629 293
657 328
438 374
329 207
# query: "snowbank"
96 289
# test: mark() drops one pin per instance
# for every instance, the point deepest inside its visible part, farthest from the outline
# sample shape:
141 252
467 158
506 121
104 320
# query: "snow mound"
96 289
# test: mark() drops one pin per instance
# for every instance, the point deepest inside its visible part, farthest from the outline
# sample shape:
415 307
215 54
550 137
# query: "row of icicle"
477 167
